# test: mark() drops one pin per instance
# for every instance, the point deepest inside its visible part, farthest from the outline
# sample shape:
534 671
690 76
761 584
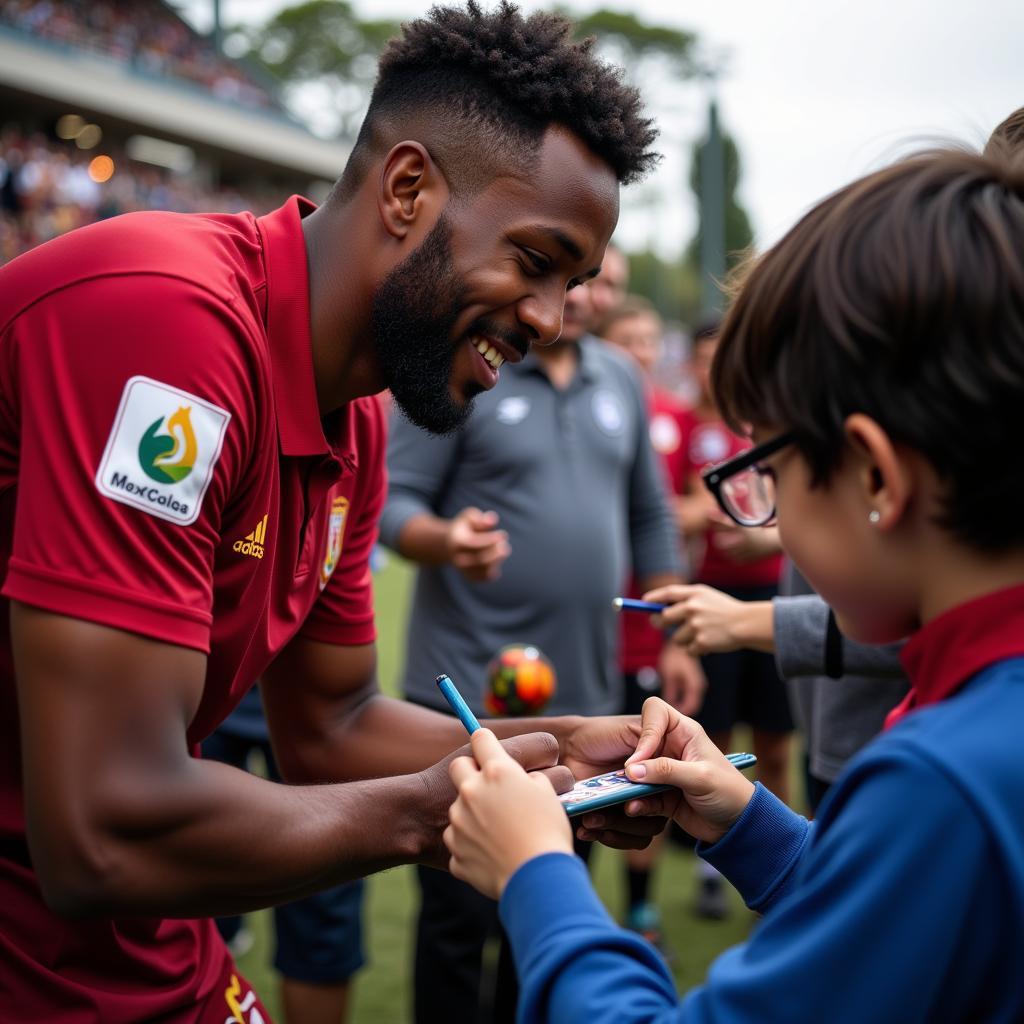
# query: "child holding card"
876 356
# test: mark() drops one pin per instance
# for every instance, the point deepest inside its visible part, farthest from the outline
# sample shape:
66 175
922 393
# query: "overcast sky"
816 92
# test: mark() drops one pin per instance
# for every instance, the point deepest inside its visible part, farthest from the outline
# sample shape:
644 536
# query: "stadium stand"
111 106
144 34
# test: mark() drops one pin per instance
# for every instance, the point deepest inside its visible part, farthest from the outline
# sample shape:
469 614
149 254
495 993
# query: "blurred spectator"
46 189
608 289
145 34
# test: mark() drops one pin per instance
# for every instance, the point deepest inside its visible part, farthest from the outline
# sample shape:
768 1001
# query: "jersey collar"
955 646
299 429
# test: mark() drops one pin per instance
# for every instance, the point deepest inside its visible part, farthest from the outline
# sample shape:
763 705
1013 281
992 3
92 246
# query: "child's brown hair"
900 296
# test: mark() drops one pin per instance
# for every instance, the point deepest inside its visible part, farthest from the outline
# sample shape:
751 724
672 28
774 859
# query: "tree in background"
326 42
634 44
323 44
739 235
674 286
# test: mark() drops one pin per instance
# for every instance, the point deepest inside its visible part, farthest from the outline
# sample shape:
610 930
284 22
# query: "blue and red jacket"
902 902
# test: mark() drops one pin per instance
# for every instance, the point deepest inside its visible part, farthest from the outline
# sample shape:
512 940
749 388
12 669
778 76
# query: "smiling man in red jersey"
190 476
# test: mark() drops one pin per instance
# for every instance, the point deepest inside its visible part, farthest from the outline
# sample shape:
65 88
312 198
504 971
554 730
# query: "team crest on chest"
335 538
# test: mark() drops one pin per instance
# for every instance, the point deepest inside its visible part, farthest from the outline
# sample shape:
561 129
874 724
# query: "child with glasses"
883 339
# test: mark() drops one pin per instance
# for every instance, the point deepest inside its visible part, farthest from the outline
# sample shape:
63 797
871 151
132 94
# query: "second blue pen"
629 604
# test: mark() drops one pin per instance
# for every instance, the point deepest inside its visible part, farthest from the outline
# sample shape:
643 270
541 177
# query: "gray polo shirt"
576 484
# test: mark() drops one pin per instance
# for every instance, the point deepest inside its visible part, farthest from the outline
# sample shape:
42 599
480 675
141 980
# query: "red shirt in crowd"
164 470
670 422
711 442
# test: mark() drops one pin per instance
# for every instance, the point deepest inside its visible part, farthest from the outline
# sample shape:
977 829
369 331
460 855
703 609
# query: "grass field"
382 989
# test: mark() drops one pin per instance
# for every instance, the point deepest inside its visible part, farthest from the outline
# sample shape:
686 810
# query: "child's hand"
675 750
502 818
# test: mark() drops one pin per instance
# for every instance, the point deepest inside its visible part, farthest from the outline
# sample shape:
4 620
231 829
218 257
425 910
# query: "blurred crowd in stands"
46 189
145 34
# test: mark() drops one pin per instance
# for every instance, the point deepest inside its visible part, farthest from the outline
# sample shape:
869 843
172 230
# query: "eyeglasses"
744 490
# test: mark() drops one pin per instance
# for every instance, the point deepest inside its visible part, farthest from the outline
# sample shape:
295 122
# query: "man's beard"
414 312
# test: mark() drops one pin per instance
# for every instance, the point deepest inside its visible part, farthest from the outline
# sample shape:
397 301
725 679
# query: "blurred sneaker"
712 900
645 920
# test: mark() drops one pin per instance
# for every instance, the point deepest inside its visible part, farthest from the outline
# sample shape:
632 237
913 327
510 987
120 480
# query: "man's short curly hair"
482 87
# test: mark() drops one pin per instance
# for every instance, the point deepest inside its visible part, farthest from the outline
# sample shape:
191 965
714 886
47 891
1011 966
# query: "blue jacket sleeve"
761 852
885 872
572 960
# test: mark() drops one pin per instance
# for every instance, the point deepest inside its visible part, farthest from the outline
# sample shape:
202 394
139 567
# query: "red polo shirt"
164 470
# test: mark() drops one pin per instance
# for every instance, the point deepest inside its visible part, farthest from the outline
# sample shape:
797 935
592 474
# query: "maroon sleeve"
132 398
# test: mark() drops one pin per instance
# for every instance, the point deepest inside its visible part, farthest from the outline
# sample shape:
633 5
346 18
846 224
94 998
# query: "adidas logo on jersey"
252 544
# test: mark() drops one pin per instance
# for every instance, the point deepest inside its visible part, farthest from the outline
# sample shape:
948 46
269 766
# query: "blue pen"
458 703
628 604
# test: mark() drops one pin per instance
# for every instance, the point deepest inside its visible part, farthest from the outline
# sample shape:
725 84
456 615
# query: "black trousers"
455 922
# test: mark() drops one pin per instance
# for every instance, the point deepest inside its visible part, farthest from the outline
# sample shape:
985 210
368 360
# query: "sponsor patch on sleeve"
161 451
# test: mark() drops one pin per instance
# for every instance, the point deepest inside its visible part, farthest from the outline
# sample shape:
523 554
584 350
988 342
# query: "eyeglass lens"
750 496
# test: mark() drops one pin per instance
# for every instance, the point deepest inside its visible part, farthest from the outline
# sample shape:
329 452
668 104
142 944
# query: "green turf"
382 990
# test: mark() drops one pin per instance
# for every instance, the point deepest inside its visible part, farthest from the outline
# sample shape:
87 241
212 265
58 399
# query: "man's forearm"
209 839
424 539
221 841
363 745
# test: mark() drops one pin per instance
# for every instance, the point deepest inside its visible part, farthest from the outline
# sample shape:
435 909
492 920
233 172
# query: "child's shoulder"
982 715
970 741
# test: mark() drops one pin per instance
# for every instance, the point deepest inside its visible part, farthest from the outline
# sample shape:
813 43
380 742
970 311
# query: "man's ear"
412 189
885 477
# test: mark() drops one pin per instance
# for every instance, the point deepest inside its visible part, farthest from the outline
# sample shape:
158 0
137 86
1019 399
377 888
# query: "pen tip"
617 603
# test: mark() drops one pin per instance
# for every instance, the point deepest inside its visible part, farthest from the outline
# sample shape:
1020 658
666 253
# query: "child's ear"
884 477
411 191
